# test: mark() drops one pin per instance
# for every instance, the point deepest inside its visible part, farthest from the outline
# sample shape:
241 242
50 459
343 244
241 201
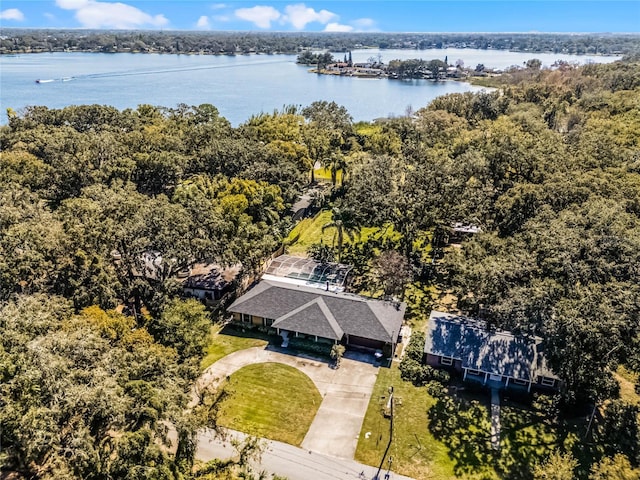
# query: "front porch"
493 381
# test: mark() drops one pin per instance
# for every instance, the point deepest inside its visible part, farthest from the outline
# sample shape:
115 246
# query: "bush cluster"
304 345
420 374
411 367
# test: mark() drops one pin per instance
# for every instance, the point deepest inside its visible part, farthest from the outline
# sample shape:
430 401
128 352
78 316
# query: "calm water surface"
238 86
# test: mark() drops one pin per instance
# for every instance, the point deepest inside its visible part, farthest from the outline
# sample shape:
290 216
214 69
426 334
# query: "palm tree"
335 163
343 221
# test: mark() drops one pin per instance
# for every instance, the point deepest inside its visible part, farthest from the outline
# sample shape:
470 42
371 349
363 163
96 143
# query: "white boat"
44 81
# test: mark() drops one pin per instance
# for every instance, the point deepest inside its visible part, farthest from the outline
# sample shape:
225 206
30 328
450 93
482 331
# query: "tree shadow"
464 427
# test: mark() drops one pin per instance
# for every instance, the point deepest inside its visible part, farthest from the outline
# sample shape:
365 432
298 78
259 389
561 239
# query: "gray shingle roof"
496 352
307 310
313 318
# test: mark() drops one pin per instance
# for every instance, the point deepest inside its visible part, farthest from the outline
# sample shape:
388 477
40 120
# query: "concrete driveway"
345 391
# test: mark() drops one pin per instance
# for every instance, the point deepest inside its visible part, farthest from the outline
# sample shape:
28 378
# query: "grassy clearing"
415 451
308 232
628 381
324 174
228 340
270 400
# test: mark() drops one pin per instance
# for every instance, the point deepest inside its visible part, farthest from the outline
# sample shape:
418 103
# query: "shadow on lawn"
528 435
464 427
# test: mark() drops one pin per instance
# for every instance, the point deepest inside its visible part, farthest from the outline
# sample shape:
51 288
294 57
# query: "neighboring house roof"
211 276
494 351
465 228
302 203
318 312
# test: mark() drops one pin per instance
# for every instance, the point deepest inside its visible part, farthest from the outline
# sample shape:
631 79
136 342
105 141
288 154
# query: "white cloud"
222 18
364 23
12 14
299 15
49 16
96 14
337 27
260 15
218 6
72 4
203 22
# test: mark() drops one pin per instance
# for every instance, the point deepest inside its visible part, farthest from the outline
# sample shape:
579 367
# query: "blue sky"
328 15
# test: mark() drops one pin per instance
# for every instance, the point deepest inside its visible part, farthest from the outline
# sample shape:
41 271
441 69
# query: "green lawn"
270 400
415 451
229 340
448 438
324 174
308 232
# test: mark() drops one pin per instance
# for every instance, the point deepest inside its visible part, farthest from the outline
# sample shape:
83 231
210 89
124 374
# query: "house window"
473 372
548 382
246 318
268 322
446 360
517 381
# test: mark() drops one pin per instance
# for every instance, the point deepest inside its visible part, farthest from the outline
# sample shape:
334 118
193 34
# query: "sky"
328 15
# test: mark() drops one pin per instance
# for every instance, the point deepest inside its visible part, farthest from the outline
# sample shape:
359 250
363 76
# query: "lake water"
239 86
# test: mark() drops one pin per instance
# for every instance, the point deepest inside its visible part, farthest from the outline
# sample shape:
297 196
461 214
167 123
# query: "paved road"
345 392
292 462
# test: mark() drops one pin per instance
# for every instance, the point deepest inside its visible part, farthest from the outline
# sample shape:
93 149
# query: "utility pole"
377 477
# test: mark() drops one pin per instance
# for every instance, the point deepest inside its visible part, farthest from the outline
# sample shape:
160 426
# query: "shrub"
337 351
304 345
436 389
418 374
415 349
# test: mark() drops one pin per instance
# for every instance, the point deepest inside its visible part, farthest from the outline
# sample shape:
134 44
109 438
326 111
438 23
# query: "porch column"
486 375
529 387
464 377
278 331
316 338
507 383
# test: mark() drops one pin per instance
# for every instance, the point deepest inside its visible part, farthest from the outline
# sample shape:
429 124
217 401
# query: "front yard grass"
415 451
224 341
270 400
448 438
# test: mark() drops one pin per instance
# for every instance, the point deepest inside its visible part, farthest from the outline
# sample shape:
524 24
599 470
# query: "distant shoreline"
4 53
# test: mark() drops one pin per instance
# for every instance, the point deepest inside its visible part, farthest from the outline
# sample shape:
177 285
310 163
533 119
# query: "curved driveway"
345 392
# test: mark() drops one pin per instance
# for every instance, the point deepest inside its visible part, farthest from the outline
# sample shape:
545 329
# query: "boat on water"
44 81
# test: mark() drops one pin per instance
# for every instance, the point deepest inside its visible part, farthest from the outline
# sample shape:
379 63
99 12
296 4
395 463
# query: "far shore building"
496 358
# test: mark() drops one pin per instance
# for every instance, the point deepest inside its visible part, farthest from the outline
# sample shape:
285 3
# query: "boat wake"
155 71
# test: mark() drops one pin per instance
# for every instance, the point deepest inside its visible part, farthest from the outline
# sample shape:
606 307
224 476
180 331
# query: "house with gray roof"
320 315
497 357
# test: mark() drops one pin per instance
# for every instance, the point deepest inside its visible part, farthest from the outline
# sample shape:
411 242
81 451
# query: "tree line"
14 40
